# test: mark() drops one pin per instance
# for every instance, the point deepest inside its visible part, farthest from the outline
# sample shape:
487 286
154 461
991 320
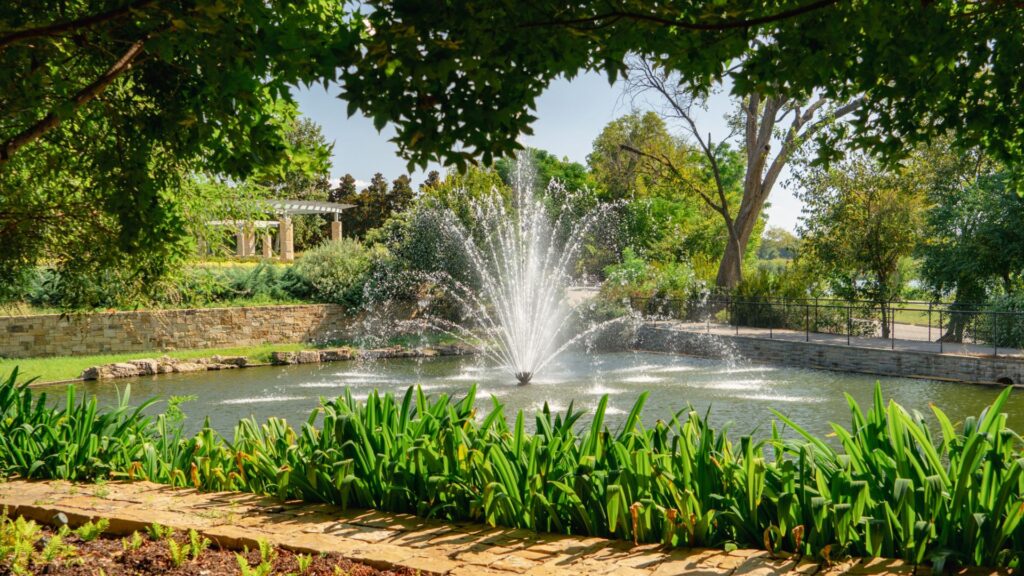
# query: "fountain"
522 259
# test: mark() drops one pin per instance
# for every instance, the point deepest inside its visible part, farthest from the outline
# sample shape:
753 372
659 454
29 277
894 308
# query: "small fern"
92 530
133 543
197 544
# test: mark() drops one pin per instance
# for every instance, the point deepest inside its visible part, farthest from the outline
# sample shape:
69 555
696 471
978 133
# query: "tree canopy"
109 108
861 223
459 79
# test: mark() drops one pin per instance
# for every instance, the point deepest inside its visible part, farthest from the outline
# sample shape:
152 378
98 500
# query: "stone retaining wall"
904 363
159 330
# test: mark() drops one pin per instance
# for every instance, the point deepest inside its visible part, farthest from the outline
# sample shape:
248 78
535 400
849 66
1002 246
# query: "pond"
741 395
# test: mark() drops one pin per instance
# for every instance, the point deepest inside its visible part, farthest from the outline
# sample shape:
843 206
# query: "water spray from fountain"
523 260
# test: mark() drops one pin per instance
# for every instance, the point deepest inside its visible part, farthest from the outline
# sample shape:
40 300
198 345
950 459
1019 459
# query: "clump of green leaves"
92 530
17 542
197 544
159 532
133 542
266 566
191 549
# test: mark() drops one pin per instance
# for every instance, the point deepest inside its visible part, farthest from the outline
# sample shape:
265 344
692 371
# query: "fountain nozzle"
524 377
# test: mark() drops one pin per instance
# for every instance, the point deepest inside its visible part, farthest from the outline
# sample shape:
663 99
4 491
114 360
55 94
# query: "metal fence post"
892 328
815 313
995 335
736 320
929 321
849 324
807 323
941 335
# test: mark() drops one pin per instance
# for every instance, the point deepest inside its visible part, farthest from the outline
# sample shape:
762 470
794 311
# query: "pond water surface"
738 395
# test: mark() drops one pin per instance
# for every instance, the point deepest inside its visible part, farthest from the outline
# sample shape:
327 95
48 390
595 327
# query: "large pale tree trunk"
730 270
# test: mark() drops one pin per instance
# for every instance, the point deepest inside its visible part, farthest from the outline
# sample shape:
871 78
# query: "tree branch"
616 15
51 120
668 164
61 27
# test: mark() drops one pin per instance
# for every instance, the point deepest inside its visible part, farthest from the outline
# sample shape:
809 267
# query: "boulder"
307 357
179 367
146 366
280 358
118 370
335 355
236 361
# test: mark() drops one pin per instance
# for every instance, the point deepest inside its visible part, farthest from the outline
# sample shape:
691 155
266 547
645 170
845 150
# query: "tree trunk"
968 293
730 270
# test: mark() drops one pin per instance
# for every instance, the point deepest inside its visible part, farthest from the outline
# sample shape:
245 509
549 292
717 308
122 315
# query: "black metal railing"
944 325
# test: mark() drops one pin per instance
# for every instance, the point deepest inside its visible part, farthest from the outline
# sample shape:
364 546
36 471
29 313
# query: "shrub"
336 272
1004 325
658 287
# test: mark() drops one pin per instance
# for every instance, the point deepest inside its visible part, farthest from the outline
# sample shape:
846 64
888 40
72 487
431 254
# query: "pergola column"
250 241
240 244
268 245
335 229
286 231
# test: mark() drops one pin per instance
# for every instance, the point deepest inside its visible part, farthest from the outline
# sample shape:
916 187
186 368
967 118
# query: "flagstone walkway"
385 540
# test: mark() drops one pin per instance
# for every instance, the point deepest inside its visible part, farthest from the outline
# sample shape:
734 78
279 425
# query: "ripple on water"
745 370
641 379
464 377
755 384
600 390
781 398
375 381
358 374
673 369
640 368
262 399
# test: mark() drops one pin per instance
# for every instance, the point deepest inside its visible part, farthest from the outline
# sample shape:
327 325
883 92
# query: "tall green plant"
888 486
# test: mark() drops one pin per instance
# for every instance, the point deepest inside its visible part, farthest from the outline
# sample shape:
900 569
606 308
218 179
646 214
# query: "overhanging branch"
617 15
78 24
51 120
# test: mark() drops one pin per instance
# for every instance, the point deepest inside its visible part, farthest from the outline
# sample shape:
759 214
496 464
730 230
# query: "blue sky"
570 115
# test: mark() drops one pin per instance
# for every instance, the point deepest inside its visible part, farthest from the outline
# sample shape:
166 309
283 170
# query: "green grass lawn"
917 316
56 368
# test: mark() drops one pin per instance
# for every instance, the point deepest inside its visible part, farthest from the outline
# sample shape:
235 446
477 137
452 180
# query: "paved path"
385 540
906 337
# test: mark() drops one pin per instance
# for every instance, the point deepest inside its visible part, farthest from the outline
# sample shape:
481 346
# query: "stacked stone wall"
161 330
906 363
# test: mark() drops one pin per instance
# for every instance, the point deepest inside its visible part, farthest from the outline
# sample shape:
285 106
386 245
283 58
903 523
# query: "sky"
570 115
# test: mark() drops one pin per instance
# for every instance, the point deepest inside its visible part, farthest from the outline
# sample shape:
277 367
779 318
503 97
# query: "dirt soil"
113 557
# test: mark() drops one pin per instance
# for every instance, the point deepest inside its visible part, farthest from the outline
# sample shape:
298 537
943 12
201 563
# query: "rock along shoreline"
167 365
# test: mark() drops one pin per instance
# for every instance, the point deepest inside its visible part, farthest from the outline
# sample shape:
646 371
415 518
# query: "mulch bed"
110 557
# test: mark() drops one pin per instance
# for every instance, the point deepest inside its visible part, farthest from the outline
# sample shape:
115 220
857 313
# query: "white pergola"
284 210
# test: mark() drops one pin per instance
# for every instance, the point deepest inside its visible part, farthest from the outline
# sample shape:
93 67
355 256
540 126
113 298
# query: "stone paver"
385 540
